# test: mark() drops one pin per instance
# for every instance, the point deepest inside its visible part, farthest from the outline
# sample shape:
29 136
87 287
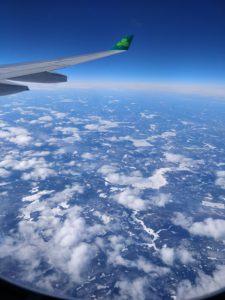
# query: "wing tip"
124 43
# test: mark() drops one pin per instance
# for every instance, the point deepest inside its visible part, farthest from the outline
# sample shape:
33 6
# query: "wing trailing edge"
42 77
7 88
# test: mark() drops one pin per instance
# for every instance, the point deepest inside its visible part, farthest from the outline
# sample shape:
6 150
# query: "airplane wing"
40 71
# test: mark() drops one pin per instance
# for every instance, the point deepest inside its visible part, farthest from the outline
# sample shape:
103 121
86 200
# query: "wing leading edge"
41 71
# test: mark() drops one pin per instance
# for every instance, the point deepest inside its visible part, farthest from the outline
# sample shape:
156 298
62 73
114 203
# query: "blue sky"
175 41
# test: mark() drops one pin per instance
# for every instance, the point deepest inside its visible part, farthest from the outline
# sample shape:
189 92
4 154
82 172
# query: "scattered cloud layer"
96 197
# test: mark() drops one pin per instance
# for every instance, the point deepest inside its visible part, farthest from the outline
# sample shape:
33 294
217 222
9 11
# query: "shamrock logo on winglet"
123 43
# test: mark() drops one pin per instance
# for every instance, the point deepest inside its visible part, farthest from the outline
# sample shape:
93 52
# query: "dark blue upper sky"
174 40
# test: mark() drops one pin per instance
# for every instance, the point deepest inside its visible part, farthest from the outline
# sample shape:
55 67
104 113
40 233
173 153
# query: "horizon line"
204 89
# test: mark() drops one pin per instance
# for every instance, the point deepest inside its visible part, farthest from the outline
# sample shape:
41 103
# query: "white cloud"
135 179
214 228
170 255
45 118
87 155
213 204
147 115
203 286
103 217
136 142
181 220
24 164
38 173
101 125
209 227
41 153
184 256
37 166
168 134
36 196
184 163
42 120
158 180
20 139
59 115
4 173
117 244
161 199
58 201
167 255
79 258
148 267
130 198
73 131
67 193
140 143
220 181
16 135
107 169
115 249
134 290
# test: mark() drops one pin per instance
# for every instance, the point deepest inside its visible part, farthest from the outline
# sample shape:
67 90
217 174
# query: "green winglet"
124 43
